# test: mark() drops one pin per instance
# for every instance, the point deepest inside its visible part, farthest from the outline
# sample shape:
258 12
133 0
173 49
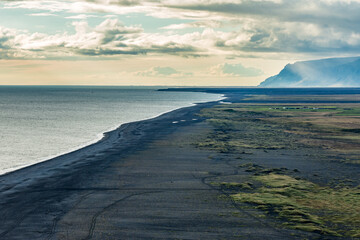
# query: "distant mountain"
332 72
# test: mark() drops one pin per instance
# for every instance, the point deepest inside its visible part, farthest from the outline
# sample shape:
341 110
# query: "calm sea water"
40 122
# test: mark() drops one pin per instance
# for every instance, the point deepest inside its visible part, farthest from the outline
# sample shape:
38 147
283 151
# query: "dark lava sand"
150 184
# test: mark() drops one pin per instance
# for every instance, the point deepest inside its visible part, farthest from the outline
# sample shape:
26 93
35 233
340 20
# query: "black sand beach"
147 180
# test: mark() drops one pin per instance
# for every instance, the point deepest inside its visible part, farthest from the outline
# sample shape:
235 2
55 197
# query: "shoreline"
138 181
26 175
154 181
100 138
100 144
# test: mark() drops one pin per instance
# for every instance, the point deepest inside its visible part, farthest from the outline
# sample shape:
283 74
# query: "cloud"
113 38
224 27
163 72
291 38
81 16
118 2
7 37
286 26
104 39
281 26
47 5
235 70
109 38
41 14
80 7
196 24
339 12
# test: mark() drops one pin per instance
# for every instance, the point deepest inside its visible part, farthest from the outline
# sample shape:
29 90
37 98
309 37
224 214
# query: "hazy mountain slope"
333 72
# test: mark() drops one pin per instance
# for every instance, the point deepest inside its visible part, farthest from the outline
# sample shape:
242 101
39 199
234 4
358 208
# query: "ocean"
41 122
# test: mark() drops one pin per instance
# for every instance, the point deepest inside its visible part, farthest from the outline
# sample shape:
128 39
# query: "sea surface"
41 122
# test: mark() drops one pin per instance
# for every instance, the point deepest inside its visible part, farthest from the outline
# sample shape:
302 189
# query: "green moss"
236 186
307 206
233 133
301 204
260 170
313 228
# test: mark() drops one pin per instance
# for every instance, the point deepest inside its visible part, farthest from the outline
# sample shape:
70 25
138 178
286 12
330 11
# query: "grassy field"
299 98
304 205
299 203
239 126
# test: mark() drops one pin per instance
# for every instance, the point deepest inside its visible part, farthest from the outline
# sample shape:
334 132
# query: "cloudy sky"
168 42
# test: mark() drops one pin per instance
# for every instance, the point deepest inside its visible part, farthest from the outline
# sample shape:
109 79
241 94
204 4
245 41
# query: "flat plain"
301 159
253 166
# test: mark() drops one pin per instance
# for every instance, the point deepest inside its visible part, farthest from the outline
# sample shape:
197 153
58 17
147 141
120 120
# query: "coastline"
102 136
38 202
26 175
154 181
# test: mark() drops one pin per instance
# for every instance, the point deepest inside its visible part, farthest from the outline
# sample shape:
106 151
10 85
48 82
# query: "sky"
168 42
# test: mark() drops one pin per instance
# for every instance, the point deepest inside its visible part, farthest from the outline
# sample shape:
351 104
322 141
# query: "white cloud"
80 7
197 24
80 16
109 38
51 6
41 14
234 70
163 72
229 27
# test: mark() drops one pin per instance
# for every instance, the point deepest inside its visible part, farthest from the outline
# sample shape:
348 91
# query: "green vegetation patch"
239 127
236 130
294 108
236 186
349 112
307 206
332 110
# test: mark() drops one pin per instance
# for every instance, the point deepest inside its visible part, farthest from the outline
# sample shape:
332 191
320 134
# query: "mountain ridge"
330 72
